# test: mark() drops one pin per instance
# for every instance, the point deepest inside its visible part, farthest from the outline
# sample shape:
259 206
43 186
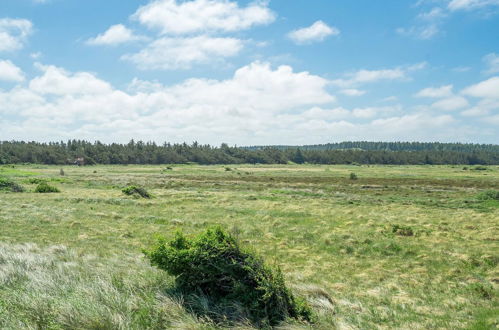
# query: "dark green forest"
396 153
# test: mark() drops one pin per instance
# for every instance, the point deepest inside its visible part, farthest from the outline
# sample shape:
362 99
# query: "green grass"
73 259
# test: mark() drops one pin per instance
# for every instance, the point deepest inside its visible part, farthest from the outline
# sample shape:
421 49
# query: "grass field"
406 247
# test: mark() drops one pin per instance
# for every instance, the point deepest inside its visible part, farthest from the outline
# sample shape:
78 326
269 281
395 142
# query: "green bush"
353 176
8 185
46 188
234 279
489 195
136 191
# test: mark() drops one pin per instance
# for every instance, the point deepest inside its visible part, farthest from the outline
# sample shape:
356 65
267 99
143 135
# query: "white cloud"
433 14
57 81
436 92
471 4
316 32
259 104
492 62
370 76
352 92
485 89
451 103
182 53
10 72
423 32
13 33
483 108
115 35
174 17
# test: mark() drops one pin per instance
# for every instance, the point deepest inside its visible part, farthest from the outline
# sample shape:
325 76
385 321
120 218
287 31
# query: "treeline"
397 146
59 153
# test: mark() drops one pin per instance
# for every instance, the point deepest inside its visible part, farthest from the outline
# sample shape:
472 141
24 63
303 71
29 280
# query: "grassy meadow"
405 247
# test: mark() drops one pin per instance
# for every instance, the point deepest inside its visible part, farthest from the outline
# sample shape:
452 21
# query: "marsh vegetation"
401 246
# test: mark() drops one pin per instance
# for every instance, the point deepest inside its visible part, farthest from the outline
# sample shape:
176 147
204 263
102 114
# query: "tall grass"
56 288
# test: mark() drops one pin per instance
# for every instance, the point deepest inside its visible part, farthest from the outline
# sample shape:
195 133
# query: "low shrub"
8 185
46 188
353 176
489 195
238 283
480 168
136 191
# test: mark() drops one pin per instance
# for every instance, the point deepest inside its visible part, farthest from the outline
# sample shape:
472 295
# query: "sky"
290 72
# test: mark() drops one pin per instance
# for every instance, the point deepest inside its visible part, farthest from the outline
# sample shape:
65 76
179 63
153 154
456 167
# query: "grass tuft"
45 188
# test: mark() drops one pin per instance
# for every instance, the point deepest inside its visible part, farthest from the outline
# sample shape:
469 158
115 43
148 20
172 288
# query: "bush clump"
45 188
236 280
353 176
489 195
8 185
136 191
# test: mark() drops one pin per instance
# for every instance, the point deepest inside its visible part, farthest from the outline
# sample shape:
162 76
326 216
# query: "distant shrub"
61 172
402 230
228 169
489 195
46 188
136 191
480 168
353 176
8 185
236 280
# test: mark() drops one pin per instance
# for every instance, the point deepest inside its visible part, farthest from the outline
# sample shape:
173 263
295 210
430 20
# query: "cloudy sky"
250 72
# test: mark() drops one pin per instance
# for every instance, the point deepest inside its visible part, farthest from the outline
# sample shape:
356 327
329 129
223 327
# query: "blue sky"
250 72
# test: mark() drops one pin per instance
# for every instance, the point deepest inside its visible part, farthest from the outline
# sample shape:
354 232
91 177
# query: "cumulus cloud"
485 89
436 92
200 16
259 104
13 33
182 53
115 35
10 72
58 81
314 33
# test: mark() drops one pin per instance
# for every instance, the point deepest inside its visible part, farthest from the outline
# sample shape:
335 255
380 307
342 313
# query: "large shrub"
136 191
215 265
46 188
8 185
